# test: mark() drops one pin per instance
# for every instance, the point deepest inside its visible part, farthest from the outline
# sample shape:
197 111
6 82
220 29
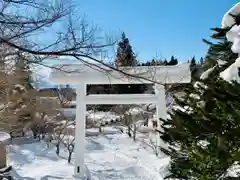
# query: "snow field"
108 157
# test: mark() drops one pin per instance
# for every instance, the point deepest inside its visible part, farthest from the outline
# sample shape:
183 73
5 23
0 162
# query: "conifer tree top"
125 55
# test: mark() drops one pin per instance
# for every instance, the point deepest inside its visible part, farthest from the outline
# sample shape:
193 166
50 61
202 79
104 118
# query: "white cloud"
41 77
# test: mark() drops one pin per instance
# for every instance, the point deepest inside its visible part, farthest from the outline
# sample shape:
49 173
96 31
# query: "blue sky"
159 27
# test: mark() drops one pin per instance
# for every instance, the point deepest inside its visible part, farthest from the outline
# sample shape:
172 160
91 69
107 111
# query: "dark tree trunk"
57 149
134 132
70 156
129 131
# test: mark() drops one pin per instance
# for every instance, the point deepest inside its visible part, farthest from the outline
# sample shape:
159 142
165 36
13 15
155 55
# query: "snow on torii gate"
82 75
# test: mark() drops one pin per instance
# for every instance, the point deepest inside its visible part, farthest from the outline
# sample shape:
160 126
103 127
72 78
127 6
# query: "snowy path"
109 157
138 165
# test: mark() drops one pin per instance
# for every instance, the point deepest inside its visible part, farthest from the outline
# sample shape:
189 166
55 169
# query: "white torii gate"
81 75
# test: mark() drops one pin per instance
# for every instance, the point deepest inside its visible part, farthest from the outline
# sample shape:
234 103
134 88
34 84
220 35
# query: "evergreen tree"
206 135
194 69
147 63
201 61
126 57
203 133
153 62
193 64
173 61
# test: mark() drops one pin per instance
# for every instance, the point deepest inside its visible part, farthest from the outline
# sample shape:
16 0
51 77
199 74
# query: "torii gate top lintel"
100 74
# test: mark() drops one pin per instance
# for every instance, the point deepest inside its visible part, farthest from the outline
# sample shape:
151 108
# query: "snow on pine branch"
232 72
206 73
231 19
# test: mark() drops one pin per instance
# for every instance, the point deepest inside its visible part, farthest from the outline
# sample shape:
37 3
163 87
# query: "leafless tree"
32 27
63 95
126 119
19 102
69 143
155 145
134 131
132 120
61 130
19 108
58 137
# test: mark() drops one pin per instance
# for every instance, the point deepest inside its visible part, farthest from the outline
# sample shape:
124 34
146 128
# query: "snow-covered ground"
103 116
108 157
99 115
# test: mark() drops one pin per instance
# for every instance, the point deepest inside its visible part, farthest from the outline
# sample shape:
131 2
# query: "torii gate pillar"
80 129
